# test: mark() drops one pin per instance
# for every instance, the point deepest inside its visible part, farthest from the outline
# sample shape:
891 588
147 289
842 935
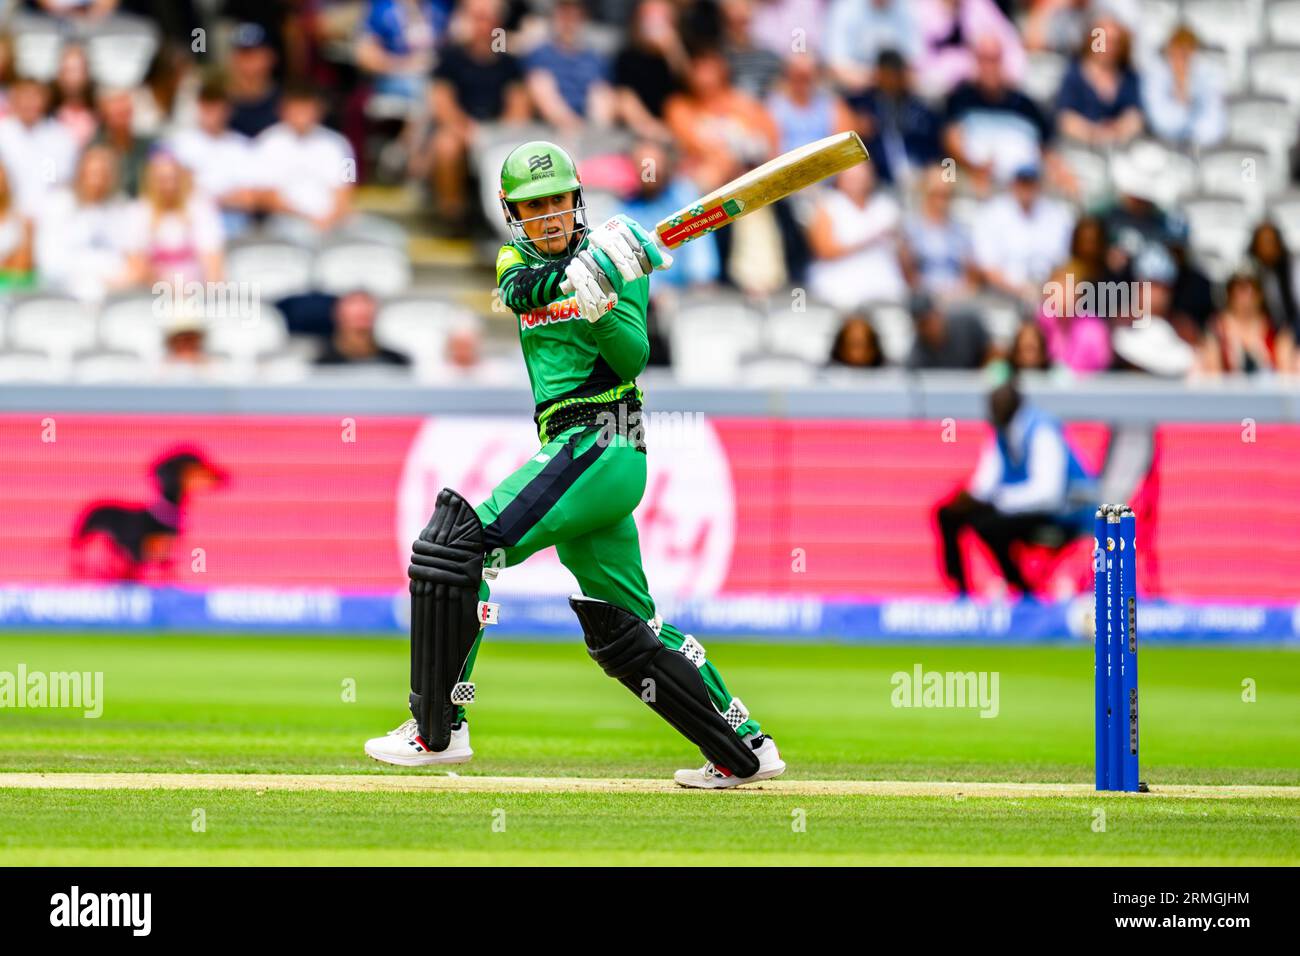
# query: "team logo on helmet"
540 166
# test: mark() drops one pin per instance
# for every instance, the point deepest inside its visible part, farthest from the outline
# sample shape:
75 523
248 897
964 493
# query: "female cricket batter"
584 350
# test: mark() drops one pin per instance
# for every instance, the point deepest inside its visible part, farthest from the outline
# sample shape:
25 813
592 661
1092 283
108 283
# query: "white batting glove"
584 276
616 240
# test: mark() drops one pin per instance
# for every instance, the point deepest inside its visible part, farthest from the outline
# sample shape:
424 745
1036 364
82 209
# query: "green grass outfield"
272 705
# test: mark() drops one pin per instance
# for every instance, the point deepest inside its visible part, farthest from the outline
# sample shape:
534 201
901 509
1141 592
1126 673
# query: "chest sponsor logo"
561 311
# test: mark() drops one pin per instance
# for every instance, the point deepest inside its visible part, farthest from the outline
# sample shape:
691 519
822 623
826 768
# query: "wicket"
1115 648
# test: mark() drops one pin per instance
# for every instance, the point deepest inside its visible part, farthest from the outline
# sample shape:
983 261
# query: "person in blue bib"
1029 485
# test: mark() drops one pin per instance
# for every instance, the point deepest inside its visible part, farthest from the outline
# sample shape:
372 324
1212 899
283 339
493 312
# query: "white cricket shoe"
405 747
710 777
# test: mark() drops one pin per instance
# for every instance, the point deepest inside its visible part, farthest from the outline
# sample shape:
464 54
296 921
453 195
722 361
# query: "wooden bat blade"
762 186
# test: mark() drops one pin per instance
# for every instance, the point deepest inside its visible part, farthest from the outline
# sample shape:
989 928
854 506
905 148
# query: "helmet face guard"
536 170
528 245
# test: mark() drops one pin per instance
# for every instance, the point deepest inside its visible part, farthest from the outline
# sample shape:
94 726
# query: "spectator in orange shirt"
722 131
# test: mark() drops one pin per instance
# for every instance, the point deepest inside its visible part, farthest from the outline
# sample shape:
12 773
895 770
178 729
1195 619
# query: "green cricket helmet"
532 171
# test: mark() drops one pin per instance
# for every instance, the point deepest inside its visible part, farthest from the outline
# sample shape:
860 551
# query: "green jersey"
569 359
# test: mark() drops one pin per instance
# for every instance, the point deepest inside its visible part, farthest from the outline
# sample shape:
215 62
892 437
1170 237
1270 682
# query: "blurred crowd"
1071 186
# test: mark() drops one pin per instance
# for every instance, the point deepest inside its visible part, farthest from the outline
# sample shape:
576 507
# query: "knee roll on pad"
445 571
627 650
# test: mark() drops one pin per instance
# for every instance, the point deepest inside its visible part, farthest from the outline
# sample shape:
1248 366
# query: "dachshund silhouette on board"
121 541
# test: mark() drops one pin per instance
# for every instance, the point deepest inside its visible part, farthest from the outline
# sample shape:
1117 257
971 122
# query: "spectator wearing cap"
1020 236
1136 219
1183 95
937 251
219 159
117 132
38 153
805 107
991 128
15 240
567 79
952 32
753 68
648 68
307 172
785 26
947 338
173 232
184 345
81 243
353 342
900 129
1165 342
74 95
1242 338
858 30
473 83
254 96
1100 100
854 237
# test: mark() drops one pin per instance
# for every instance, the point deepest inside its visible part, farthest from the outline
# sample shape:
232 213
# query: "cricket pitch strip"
442 782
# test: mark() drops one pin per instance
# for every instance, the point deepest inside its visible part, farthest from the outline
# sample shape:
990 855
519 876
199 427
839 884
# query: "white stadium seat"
1237 169
376 267
1236 25
777 371
1219 226
248 339
275 269
1043 73
894 328
112 368
38 43
1274 70
418 327
709 337
57 325
120 50
808 334
1155 169
1265 121
1282 21
31 367
1090 168
132 323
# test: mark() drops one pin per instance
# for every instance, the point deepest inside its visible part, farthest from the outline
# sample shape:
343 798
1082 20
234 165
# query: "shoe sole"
761 775
427 760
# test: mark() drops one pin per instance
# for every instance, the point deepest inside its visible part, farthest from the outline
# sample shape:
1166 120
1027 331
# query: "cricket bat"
761 186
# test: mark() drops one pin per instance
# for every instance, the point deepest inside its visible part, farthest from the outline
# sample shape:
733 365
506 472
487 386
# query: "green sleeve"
524 288
621 333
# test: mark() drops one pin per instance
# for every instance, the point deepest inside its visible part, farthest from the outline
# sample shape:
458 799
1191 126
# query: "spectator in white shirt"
854 238
307 172
174 233
221 160
1182 94
1021 236
80 234
37 152
937 253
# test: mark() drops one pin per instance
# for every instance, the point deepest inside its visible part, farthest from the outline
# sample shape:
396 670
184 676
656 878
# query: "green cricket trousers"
578 494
